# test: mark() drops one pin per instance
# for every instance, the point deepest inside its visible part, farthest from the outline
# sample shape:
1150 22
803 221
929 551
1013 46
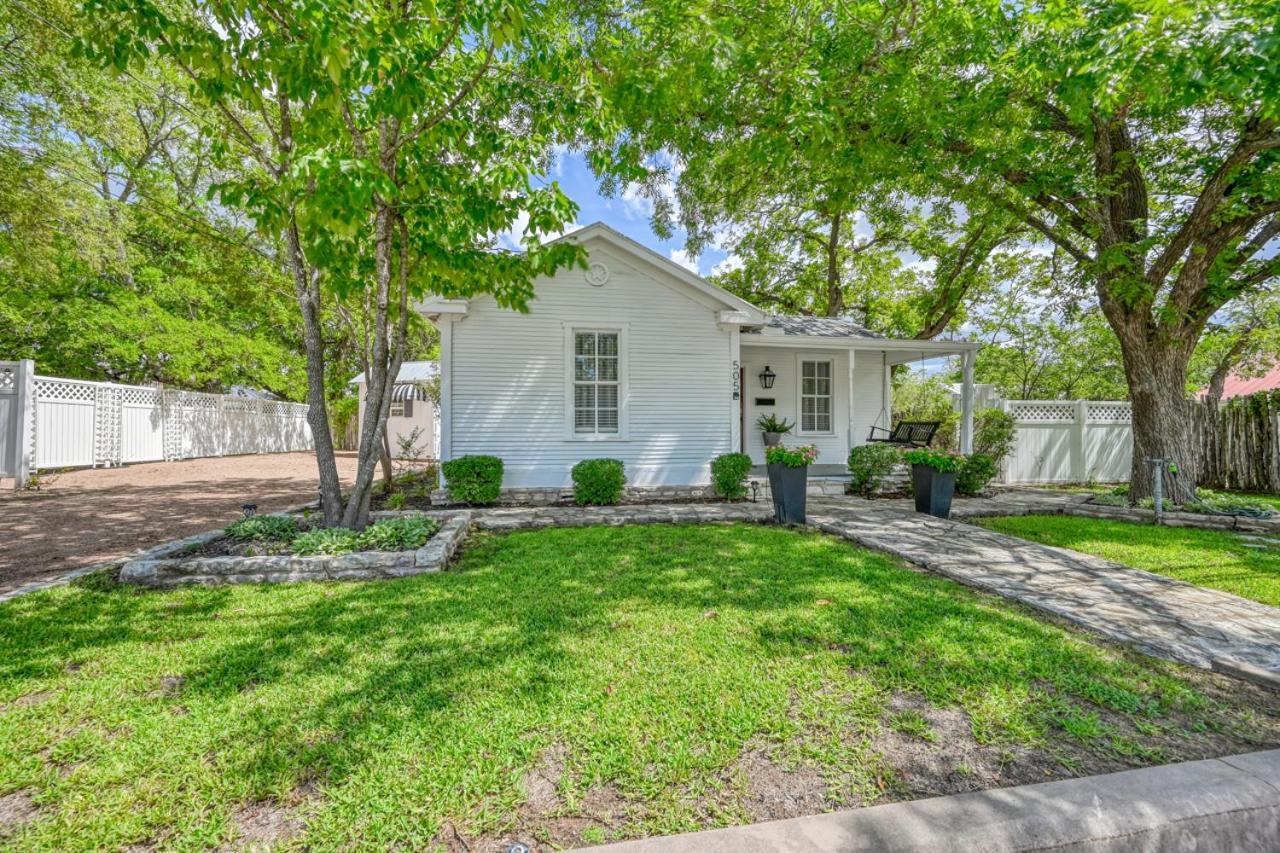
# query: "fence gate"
48 422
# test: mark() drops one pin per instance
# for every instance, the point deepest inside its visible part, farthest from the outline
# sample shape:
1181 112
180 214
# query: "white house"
639 359
411 407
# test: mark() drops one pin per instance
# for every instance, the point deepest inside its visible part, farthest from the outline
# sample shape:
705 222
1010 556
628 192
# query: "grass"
649 660
1210 558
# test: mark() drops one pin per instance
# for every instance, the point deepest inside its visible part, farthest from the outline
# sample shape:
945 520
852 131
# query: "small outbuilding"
412 408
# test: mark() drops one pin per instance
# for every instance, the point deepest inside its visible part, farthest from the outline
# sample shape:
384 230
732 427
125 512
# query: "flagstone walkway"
1159 615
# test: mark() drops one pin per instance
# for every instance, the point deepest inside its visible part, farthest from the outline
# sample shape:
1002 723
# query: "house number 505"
737 381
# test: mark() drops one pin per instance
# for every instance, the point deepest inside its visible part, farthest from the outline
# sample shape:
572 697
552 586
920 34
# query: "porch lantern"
766 377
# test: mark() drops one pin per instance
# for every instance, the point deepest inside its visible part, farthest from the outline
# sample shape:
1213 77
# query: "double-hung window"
596 385
815 395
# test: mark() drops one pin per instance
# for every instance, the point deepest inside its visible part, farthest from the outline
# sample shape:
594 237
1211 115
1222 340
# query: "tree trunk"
388 473
317 408
1162 421
835 292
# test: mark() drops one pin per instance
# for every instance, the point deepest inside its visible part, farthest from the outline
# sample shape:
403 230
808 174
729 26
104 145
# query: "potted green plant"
774 428
933 479
788 480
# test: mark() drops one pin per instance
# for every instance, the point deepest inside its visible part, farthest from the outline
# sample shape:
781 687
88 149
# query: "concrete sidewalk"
1226 804
1161 616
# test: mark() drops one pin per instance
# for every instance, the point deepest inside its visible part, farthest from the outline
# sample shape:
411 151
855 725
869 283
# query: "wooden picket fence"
1240 441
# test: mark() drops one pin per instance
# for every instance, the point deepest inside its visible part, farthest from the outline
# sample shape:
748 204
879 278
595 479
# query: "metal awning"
402 391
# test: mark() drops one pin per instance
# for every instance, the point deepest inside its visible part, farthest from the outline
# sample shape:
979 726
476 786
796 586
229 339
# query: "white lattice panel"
57 390
1042 411
1110 412
8 380
107 425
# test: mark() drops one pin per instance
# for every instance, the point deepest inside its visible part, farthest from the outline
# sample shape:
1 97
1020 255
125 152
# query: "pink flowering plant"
792 457
938 460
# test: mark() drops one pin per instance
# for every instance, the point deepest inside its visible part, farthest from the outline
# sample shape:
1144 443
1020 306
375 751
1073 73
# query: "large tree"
385 144
1141 139
1138 136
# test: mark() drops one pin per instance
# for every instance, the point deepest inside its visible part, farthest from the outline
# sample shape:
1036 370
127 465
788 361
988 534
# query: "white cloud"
684 259
729 264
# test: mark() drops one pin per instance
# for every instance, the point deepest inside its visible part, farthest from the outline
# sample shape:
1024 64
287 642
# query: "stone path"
1161 616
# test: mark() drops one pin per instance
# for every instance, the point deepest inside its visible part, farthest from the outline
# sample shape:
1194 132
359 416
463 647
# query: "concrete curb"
1219 804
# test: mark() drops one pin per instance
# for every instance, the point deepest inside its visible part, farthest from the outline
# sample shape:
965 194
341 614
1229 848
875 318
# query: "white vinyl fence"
1069 441
73 423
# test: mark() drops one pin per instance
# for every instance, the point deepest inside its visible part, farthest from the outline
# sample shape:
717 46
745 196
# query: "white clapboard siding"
508 383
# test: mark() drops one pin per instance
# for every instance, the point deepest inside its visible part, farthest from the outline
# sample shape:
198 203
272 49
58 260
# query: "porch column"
966 401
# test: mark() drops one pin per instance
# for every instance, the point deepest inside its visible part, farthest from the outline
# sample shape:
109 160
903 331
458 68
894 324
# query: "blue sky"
627 213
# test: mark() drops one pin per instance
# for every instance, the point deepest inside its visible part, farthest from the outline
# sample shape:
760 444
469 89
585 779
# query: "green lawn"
1210 558
562 685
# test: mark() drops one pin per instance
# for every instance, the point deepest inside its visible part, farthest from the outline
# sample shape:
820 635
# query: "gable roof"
617 240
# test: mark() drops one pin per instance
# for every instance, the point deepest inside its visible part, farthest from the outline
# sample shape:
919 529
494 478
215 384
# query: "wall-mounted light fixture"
766 377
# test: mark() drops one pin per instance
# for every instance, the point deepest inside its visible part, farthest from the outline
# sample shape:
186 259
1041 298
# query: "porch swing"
904 433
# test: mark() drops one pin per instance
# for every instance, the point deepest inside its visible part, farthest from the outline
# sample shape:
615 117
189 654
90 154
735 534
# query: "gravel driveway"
87 516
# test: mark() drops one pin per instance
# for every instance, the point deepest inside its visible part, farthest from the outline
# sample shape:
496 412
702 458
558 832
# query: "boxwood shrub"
474 479
978 470
869 464
729 475
598 481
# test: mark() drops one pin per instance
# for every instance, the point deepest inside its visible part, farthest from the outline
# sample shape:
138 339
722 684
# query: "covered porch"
831 379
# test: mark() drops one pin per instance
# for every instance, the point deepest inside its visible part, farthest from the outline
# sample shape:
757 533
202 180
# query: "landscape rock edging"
163 566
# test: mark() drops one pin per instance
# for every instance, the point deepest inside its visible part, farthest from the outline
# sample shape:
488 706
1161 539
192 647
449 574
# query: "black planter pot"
788 487
933 490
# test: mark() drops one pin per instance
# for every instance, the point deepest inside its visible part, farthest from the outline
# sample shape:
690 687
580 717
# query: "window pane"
584 343
608 420
824 386
822 405
823 369
608 369
808 385
806 369
584 368
823 423
607 396
806 423
608 343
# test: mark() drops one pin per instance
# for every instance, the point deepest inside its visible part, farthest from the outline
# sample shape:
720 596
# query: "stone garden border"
164 565
1087 509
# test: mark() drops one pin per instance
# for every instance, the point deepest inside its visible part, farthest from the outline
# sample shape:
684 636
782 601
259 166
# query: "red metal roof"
1239 386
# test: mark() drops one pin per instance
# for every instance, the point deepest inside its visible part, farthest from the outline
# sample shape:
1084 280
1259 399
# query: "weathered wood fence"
1240 440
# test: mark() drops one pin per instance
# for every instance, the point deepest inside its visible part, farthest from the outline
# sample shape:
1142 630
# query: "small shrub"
869 464
398 534
729 475
994 432
1212 502
938 460
1111 499
263 528
397 500
792 457
474 479
978 470
328 541
1150 503
598 481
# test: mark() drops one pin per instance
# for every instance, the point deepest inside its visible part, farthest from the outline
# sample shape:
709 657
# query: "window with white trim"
815 395
397 410
595 382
